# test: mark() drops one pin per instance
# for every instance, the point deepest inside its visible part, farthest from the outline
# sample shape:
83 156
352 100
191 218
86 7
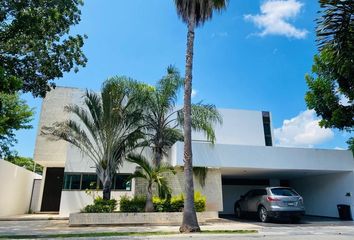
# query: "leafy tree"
14 114
152 174
108 126
331 85
163 120
35 45
26 162
194 13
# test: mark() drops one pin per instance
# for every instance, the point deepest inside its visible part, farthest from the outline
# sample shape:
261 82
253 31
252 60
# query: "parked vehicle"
271 202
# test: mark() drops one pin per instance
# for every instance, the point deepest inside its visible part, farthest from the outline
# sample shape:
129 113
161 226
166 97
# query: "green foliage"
331 85
101 205
15 114
106 128
325 96
199 202
174 204
203 10
162 120
25 162
35 45
152 174
135 204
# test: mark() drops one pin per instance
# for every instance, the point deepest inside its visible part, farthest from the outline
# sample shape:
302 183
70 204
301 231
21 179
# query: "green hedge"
175 204
101 206
135 204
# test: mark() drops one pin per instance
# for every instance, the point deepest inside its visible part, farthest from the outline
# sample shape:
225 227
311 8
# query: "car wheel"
238 212
263 214
295 219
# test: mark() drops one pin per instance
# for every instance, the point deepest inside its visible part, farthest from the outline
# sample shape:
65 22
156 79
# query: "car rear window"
283 192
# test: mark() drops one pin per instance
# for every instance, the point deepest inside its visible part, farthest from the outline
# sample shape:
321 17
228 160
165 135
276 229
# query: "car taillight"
272 199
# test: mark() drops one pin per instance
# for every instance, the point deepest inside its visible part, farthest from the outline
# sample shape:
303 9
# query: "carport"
323 177
322 190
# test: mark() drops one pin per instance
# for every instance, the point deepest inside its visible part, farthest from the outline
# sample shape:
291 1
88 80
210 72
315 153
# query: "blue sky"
252 56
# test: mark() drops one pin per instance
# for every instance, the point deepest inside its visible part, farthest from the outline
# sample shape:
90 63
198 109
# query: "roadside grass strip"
118 234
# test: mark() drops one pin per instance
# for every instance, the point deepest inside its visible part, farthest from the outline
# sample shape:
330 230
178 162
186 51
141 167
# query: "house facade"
243 157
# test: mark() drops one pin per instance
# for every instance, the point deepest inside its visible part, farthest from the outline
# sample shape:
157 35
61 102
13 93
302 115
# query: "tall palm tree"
152 174
106 127
194 13
163 120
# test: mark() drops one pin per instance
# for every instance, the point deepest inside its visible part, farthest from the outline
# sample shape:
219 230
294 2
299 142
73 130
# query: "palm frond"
201 174
204 118
201 10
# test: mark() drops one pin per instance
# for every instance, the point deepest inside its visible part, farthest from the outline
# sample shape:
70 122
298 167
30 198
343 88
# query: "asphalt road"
308 229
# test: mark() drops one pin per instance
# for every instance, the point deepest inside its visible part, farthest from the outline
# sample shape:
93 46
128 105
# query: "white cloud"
339 148
275 16
302 131
194 93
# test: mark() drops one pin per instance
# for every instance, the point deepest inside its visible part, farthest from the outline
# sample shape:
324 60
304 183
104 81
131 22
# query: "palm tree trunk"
189 222
158 157
107 184
149 206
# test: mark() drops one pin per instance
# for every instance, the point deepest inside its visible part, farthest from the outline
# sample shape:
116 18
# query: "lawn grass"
112 234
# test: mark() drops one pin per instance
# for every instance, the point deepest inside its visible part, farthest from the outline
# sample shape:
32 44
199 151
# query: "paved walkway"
43 227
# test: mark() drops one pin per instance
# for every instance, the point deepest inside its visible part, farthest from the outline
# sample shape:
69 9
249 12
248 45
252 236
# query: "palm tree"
194 13
152 174
106 128
163 120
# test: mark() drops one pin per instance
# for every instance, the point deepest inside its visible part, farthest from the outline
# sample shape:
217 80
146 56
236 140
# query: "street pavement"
309 229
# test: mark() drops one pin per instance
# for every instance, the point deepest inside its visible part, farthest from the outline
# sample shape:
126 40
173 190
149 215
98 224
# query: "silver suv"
271 202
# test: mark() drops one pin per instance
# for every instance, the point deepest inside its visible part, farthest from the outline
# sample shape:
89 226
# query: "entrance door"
52 189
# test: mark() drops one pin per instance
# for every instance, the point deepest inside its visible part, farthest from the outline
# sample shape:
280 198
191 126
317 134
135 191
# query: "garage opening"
322 191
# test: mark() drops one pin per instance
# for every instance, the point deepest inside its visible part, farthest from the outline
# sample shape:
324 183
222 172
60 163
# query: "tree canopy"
331 84
35 45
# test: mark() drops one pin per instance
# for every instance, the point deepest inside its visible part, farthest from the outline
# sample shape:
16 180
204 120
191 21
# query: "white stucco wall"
53 153
74 201
258 157
322 193
16 186
240 127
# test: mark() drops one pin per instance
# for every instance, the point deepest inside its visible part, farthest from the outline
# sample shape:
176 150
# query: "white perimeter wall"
322 193
16 187
74 201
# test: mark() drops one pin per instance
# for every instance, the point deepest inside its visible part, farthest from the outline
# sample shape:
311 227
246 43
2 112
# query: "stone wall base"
154 218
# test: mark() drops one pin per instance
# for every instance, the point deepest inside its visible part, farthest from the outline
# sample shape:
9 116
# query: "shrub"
100 206
175 204
135 204
199 202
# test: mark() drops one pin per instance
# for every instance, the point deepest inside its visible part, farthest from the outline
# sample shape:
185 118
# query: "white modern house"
243 157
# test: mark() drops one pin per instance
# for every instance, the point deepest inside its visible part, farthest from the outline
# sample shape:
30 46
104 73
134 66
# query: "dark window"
83 181
283 192
260 192
267 129
89 181
121 183
72 181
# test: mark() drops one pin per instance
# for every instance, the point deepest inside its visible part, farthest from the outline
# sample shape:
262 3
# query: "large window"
83 181
72 181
